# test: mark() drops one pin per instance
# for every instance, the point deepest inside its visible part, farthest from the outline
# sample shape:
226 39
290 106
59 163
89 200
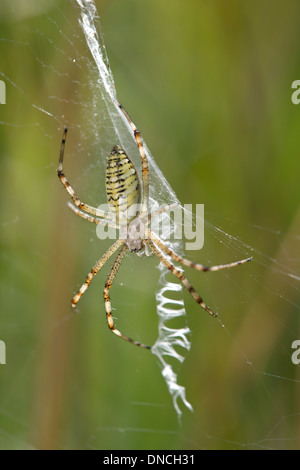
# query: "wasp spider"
123 192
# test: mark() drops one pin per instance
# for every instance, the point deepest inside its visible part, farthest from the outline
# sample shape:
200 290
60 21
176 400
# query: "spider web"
98 125
160 193
258 350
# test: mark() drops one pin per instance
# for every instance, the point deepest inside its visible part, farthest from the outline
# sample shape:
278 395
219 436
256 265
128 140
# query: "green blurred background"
209 85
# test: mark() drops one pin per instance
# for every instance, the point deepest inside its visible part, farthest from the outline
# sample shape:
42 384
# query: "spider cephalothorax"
128 204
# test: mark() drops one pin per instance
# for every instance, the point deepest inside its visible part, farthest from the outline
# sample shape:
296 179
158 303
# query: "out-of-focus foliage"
209 85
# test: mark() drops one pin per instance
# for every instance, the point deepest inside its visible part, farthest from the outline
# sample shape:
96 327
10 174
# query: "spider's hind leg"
108 284
181 277
95 269
191 264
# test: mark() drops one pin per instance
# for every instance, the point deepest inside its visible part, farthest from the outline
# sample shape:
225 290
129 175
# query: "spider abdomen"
122 183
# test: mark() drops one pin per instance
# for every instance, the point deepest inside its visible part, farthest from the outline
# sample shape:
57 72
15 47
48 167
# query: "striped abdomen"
122 183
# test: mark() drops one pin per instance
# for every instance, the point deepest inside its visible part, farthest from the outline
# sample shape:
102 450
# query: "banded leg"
180 276
60 172
91 218
191 264
160 211
95 270
108 284
145 169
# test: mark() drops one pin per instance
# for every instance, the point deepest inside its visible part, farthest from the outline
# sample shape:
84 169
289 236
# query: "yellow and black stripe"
122 182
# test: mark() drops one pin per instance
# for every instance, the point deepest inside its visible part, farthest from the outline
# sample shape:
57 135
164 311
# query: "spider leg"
159 211
95 270
90 218
68 187
191 264
180 276
145 169
108 284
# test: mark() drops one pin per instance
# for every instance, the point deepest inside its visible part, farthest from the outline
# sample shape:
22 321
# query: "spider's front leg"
61 175
145 168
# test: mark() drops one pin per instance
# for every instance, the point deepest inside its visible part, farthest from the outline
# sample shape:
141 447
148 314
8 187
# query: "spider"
123 192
